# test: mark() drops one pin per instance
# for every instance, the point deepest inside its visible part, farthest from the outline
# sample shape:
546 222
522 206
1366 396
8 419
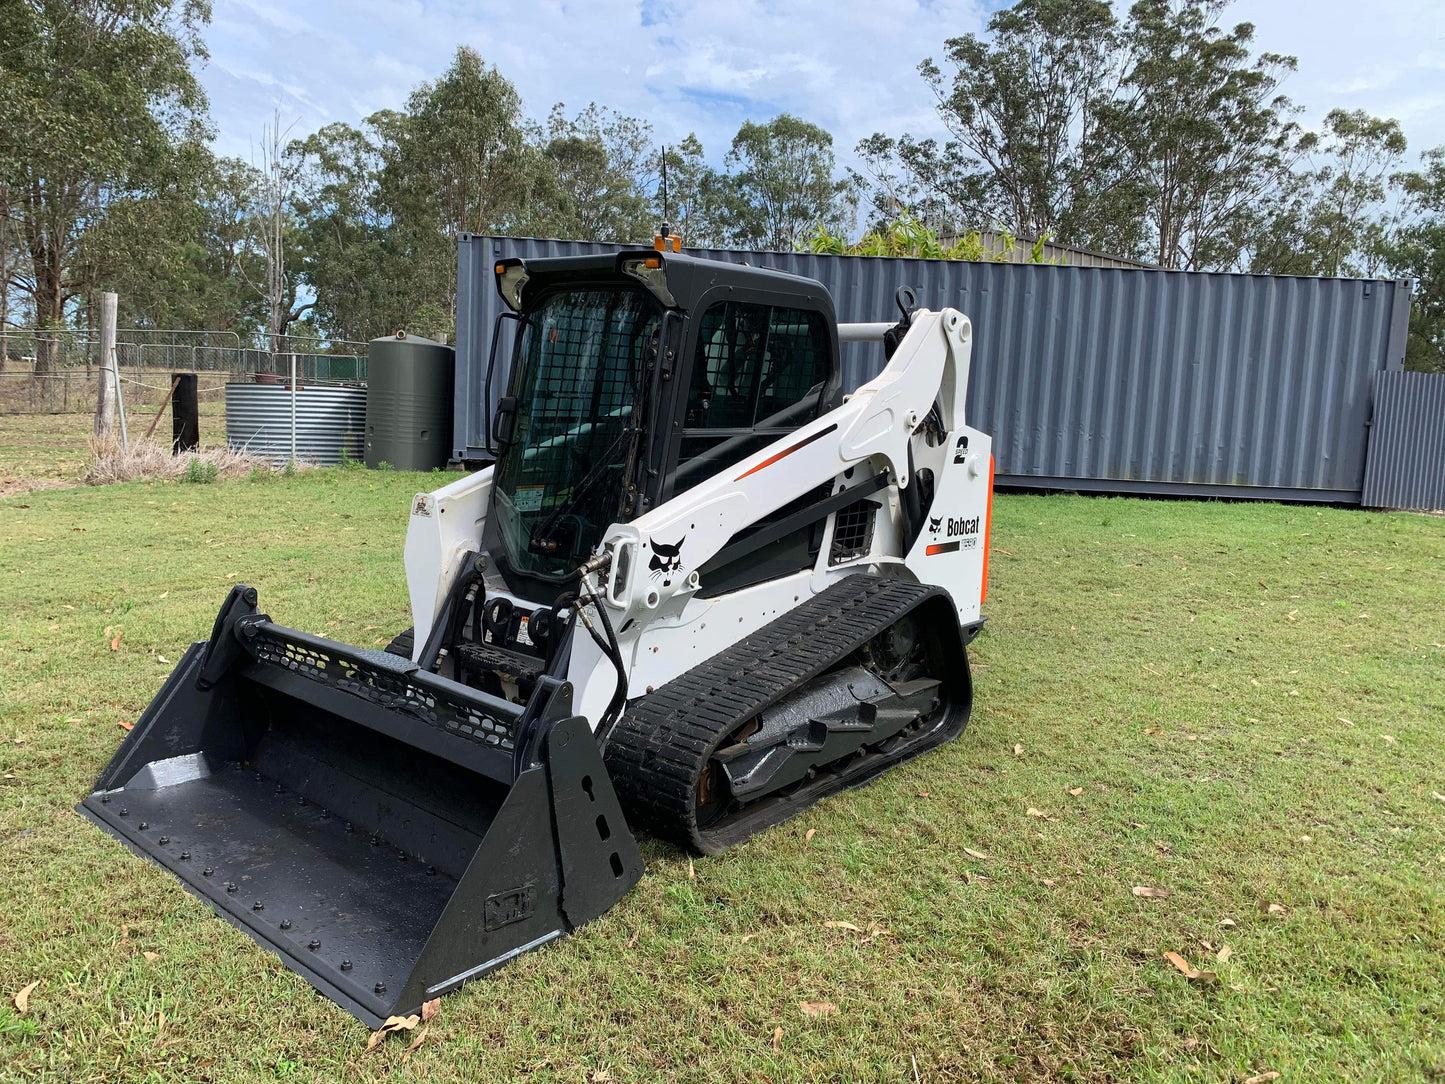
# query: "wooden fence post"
105 397
162 409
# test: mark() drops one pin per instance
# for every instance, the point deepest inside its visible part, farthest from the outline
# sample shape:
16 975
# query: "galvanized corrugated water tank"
409 402
329 421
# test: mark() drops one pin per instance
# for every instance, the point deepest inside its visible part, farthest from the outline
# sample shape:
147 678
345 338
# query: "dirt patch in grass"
13 484
42 451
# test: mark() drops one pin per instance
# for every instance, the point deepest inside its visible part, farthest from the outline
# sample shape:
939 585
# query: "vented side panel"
852 532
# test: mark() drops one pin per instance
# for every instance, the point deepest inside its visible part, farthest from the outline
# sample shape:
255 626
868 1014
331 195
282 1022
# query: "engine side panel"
950 550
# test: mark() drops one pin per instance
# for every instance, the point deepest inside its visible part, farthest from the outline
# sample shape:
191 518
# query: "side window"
732 341
795 369
758 373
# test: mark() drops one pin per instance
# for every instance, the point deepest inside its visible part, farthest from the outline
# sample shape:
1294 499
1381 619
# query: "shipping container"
1102 379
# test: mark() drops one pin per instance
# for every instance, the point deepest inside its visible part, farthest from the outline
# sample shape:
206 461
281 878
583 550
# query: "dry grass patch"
146 461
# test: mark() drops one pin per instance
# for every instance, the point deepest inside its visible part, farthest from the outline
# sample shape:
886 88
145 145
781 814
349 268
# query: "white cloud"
683 67
848 65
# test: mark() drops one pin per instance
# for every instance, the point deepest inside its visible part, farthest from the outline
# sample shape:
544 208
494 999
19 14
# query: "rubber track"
402 643
657 750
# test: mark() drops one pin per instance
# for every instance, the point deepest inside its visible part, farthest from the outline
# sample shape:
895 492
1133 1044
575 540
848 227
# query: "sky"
705 67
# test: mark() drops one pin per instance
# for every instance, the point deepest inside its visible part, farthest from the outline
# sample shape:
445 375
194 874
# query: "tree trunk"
49 315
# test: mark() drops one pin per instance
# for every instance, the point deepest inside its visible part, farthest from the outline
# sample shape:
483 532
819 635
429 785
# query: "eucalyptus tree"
97 100
781 185
1022 106
1417 251
1332 216
597 167
1204 129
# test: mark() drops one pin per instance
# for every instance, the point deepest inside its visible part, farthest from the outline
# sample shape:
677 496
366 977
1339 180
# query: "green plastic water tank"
409 385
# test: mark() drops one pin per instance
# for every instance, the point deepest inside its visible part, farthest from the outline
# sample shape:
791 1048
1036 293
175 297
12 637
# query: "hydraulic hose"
457 618
610 648
443 633
911 503
619 696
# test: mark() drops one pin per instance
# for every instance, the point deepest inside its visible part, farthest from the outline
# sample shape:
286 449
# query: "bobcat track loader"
698 590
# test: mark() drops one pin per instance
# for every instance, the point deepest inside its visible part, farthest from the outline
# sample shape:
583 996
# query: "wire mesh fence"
58 372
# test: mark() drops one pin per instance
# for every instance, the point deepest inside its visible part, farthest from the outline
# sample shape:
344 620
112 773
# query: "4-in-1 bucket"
389 833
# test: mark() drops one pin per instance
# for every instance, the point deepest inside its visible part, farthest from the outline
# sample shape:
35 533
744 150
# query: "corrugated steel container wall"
330 422
1107 379
1406 467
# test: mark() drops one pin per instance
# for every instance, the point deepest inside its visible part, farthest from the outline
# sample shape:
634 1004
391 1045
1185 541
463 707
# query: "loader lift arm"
875 425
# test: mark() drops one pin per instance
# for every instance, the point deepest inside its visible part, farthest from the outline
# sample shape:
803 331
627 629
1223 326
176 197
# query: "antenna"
664 231
665 240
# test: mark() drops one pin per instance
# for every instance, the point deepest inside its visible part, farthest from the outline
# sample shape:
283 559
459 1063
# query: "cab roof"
688 278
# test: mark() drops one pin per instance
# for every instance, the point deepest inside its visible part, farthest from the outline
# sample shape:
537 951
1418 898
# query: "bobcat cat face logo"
934 522
666 559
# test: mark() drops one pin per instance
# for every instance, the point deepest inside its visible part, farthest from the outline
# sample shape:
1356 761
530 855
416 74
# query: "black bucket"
389 833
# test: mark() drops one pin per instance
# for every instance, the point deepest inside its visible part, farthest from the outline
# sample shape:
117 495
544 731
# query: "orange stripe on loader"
987 529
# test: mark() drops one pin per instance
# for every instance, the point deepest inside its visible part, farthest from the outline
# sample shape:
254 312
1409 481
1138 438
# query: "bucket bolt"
185 856
165 840
143 826
401 856
207 871
431 871
346 965
376 841
230 886
124 812
380 987
105 799
258 906
313 945
285 923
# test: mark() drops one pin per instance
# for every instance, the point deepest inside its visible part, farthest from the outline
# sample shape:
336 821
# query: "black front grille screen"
384 687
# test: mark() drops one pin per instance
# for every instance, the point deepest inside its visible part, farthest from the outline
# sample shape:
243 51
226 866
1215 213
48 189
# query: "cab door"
755 372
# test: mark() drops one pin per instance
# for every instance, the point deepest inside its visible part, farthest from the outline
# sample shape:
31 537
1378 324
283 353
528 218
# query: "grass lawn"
1243 704
42 451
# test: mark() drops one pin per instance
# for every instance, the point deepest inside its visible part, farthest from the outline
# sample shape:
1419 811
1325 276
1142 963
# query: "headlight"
621 569
653 275
510 280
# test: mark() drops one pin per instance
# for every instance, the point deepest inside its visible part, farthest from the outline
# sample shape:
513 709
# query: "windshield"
560 483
